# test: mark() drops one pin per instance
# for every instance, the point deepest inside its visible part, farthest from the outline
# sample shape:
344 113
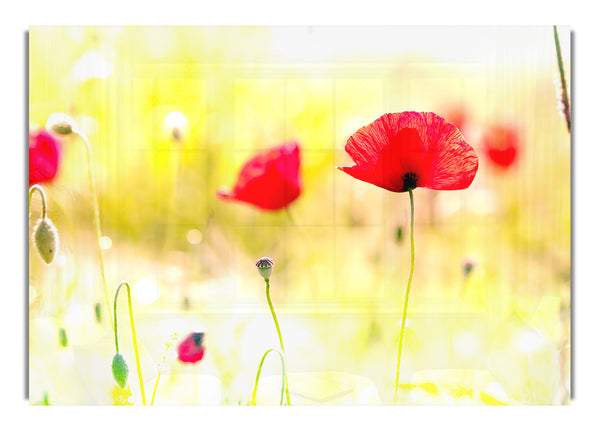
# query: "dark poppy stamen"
409 181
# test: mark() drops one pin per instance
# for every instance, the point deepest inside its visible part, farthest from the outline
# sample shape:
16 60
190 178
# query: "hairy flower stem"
159 372
40 190
94 196
287 392
283 379
565 96
412 270
134 337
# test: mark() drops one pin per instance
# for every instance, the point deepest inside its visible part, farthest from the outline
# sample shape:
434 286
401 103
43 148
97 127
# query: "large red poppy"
44 156
402 151
501 144
270 180
191 349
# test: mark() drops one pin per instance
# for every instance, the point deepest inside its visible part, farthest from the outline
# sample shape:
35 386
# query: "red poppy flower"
270 180
191 349
501 144
44 156
400 152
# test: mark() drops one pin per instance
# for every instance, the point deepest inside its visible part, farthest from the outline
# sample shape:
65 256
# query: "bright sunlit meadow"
172 114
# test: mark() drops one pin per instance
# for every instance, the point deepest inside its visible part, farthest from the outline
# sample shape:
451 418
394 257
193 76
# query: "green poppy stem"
410 277
565 96
40 190
134 337
94 195
287 392
283 379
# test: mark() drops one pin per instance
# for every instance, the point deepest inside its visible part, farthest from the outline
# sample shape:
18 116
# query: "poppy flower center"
409 181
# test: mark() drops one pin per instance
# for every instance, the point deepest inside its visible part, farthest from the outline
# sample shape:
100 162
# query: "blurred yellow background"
500 335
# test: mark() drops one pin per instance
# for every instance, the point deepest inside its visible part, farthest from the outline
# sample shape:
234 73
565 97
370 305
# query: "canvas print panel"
299 215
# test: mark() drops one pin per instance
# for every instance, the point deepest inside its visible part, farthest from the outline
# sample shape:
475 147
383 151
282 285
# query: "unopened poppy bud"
98 312
45 238
120 370
60 123
399 234
62 337
265 267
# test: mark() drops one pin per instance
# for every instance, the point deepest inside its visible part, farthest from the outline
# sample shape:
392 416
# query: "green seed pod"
45 239
98 313
62 337
60 123
120 370
265 267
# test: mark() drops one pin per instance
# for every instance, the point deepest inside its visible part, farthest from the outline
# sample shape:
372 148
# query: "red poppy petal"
366 144
366 175
44 157
270 191
270 180
404 164
454 162
503 158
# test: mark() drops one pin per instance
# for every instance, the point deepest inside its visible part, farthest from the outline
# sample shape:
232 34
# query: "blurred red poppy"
501 144
402 151
44 156
270 180
191 349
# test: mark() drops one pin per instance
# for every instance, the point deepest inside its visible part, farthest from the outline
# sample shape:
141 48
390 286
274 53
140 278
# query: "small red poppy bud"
45 238
265 267
191 349
120 370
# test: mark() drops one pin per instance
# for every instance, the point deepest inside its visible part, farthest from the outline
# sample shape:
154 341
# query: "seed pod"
265 267
60 123
120 370
45 239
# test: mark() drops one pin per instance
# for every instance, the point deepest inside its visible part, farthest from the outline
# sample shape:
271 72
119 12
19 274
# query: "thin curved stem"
287 391
412 270
134 337
159 373
92 180
40 190
565 96
283 379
